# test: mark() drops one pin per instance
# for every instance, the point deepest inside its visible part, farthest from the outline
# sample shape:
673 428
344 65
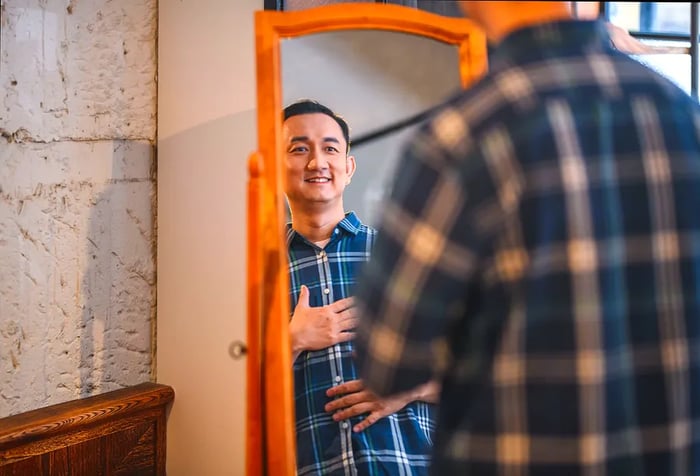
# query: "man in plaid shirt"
342 428
541 253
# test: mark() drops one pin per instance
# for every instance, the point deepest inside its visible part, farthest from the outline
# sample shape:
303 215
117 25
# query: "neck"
499 19
316 225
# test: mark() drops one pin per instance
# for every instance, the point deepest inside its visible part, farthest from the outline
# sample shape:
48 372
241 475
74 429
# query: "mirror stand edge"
271 447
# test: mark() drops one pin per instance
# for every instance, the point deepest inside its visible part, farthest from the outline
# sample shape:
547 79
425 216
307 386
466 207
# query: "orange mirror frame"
270 438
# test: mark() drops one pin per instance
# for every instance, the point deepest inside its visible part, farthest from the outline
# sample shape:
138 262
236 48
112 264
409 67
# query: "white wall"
77 241
206 130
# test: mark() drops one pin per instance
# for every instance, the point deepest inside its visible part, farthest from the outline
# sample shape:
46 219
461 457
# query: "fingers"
355 401
350 401
355 410
351 386
303 300
344 337
347 320
371 419
345 323
348 313
342 304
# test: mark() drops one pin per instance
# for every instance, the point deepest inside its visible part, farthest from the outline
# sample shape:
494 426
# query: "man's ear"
350 166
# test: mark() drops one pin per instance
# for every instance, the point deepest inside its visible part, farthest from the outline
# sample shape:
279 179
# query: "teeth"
318 180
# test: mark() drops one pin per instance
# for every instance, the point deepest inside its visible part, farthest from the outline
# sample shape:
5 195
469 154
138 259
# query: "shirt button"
338 378
335 232
322 254
345 425
326 291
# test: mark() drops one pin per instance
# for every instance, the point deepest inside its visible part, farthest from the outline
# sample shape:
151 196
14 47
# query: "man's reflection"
341 427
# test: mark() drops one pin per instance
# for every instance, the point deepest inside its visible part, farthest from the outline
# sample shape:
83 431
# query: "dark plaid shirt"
399 444
541 252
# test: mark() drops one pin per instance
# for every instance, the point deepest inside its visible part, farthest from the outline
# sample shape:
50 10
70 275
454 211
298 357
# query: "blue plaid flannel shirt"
400 444
541 251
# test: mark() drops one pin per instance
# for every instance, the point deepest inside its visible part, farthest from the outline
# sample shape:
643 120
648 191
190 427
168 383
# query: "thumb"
303 300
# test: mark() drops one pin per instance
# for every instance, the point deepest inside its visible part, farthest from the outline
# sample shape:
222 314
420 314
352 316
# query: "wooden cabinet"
116 433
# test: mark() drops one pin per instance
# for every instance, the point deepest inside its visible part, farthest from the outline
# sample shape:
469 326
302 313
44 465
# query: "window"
669 30
670 19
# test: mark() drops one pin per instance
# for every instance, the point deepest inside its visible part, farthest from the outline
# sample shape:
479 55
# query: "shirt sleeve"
416 282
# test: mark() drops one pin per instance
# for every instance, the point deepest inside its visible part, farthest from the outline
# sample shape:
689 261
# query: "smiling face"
317 166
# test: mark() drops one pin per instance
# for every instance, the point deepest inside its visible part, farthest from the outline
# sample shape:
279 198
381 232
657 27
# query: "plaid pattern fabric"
399 444
541 253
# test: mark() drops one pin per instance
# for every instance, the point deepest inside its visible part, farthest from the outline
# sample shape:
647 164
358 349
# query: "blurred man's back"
545 228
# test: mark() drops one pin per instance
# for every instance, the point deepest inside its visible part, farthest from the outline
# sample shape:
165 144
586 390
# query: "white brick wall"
77 198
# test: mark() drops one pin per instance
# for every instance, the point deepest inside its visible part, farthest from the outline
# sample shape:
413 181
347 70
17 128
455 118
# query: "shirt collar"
350 223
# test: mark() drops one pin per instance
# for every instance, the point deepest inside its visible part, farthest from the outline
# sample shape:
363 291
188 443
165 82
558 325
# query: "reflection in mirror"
376 64
373 79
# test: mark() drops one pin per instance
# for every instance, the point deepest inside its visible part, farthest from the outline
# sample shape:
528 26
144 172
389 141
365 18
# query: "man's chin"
320 195
315 199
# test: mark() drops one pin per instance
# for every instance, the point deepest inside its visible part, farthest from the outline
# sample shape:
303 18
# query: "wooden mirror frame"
270 438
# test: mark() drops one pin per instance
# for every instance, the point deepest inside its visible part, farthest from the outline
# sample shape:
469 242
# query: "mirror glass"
374 79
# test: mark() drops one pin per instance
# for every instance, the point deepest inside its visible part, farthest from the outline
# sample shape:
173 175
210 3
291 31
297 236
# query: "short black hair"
310 106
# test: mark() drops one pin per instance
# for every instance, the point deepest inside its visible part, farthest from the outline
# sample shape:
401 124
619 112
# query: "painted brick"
77 198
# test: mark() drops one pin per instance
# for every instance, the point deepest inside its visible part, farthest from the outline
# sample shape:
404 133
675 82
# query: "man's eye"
298 149
331 149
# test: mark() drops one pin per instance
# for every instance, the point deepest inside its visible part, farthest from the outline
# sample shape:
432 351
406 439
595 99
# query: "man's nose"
317 161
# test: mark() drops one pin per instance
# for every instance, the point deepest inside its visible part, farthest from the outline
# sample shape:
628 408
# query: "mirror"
369 78
375 64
